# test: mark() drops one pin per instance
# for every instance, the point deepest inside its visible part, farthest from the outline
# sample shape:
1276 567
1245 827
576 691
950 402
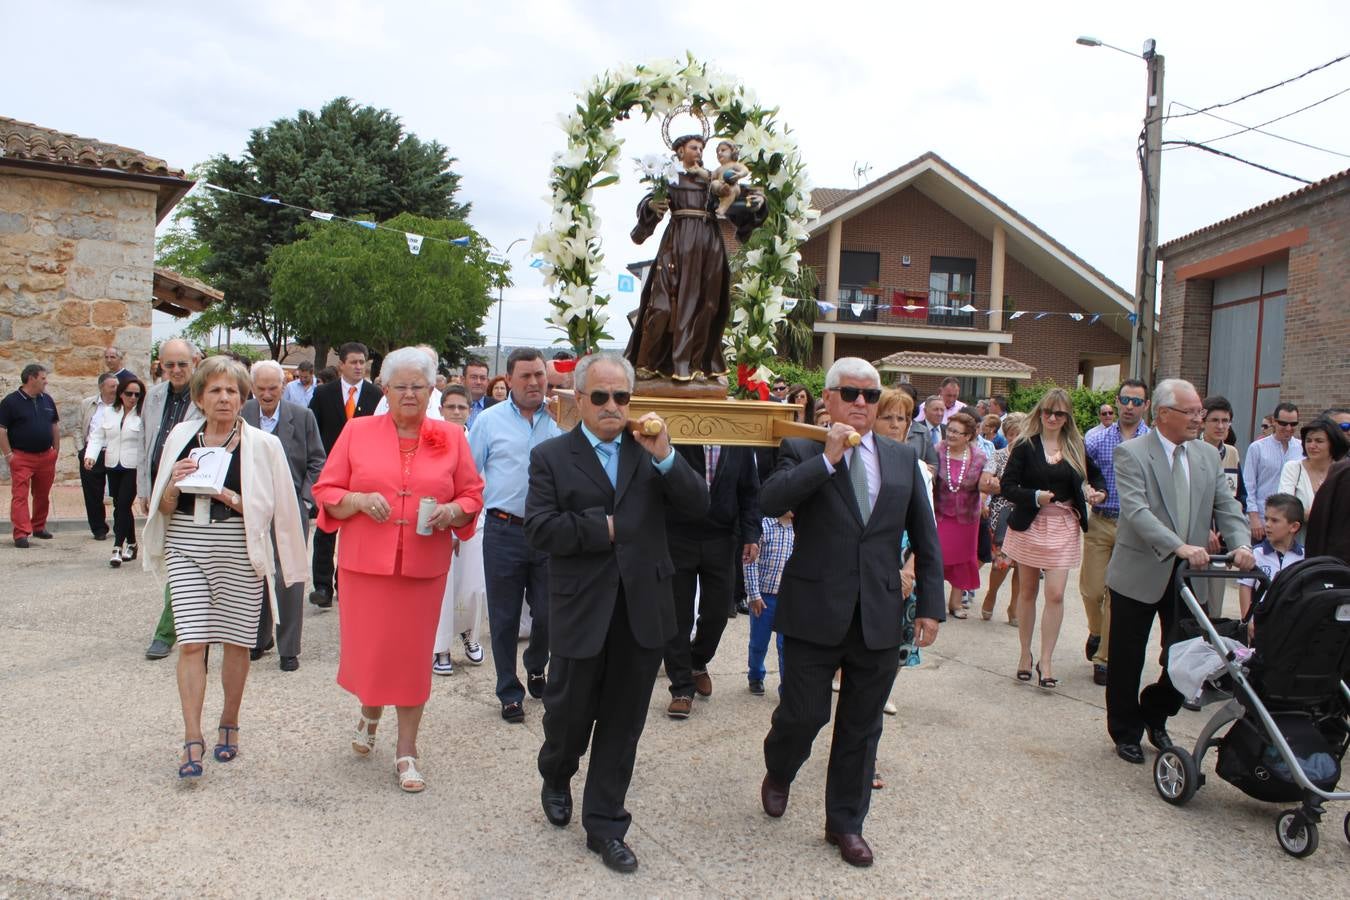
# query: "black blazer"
836 561
330 408
1028 471
565 510
733 498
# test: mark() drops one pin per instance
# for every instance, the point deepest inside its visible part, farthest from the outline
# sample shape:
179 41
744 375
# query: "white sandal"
409 780
363 740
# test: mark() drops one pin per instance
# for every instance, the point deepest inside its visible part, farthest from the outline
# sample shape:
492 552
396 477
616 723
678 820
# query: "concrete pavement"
995 788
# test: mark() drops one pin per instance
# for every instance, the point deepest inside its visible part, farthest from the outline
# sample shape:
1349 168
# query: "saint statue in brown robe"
687 298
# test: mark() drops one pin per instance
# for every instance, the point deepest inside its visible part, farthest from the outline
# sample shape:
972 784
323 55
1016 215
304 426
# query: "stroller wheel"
1176 775
1297 836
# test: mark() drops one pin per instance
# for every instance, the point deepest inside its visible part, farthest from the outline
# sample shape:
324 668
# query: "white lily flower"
764 374
752 258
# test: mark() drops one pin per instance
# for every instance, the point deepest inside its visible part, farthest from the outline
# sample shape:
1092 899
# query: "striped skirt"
215 594
1054 540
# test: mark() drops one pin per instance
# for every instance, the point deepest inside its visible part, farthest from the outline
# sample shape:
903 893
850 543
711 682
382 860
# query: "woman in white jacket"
216 549
119 437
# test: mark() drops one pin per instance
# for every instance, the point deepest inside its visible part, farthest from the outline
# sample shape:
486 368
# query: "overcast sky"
1000 91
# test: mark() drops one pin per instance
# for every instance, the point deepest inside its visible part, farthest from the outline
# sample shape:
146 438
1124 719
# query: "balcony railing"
895 306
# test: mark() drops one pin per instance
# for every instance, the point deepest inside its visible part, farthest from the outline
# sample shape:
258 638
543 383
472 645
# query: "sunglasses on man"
1131 401
851 394
600 398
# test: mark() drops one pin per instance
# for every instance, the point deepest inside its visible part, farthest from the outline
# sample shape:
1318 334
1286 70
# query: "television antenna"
860 171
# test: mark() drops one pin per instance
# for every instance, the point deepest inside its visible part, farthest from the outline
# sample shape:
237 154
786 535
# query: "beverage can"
426 508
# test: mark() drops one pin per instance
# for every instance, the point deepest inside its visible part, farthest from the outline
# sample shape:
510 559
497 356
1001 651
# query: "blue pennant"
371 225
1134 318
460 242
268 198
1096 317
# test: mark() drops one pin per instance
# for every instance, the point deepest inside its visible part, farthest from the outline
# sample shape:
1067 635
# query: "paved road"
995 788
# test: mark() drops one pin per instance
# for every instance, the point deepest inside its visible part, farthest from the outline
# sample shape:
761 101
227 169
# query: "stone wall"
76 273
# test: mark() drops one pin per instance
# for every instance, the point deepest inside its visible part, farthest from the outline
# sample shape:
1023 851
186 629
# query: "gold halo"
691 110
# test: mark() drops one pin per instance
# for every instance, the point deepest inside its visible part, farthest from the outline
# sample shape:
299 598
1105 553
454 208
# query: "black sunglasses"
1131 401
132 394
851 394
600 398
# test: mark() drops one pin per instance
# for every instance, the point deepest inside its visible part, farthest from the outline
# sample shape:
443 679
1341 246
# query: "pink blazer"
366 459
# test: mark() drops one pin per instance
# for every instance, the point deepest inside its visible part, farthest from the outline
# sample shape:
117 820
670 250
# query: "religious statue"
677 329
728 175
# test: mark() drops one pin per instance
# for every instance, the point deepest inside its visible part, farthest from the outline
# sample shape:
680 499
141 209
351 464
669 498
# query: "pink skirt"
1054 540
960 552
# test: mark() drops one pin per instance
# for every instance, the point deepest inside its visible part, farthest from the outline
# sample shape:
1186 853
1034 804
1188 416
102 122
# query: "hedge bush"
1086 401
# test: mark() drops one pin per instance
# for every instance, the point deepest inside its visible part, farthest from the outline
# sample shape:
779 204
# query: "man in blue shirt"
301 390
1265 459
476 381
30 436
1100 539
501 439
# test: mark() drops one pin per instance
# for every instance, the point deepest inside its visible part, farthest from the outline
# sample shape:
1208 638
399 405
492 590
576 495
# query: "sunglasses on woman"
851 394
1054 414
132 394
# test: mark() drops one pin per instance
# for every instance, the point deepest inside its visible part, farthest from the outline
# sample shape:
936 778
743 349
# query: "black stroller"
1288 705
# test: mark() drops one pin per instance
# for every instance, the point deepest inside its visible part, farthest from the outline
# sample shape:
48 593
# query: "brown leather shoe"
773 796
852 848
679 707
703 684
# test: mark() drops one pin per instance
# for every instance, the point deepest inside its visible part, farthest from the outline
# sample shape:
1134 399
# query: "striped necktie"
857 476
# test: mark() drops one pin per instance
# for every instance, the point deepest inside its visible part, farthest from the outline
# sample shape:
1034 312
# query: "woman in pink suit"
391 579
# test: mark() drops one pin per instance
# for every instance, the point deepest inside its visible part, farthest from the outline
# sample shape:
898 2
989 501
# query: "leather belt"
505 517
692 214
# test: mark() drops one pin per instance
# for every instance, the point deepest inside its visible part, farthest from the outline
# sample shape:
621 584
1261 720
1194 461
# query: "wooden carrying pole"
781 429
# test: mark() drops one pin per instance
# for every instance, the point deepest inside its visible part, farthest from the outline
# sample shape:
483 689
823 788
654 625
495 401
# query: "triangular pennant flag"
496 258
824 306
910 307
327 217
536 264
1041 315
460 242
856 308
789 304
1077 317
968 308
1134 318
268 198
371 225
414 243
1096 317
1014 316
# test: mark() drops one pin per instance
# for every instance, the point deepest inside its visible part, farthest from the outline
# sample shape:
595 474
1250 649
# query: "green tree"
350 283
350 160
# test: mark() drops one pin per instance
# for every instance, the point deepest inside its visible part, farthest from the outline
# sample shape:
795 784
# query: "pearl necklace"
961 477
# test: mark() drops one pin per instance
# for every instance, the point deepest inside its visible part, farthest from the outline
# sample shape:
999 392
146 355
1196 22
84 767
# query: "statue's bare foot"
644 374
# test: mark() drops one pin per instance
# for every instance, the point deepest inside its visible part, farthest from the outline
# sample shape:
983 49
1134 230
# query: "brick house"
1256 307
77 247
928 268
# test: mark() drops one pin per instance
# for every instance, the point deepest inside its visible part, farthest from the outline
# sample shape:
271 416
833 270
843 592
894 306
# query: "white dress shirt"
871 465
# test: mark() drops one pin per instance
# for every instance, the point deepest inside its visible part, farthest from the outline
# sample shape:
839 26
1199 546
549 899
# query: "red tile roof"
24 140
1307 188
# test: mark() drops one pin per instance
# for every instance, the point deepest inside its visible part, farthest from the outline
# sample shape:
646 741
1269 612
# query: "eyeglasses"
1198 413
851 394
175 365
953 433
600 398
1131 401
1054 414
408 388
1284 424
1106 412
779 388
132 394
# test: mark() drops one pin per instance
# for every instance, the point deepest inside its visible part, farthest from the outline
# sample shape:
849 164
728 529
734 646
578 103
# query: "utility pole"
1146 286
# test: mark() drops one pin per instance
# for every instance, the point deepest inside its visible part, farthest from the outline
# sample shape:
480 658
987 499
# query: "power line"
1257 128
1199 146
1262 90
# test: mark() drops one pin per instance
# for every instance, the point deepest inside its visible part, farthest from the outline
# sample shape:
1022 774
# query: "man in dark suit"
707 551
840 603
333 405
295 427
597 505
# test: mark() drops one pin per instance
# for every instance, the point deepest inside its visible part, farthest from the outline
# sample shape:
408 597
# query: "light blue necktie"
609 452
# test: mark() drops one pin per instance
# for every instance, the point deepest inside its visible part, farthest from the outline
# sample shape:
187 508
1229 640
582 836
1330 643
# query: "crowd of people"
438 500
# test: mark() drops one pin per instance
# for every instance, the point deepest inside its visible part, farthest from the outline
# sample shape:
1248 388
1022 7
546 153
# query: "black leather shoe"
21 543
616 854
742 607
534 683
773 796
852 848
1099 675
1158 737
101 536
1130 752
43 535
557 803
257 652
321 598
290 663
757 687
513 713
1094 642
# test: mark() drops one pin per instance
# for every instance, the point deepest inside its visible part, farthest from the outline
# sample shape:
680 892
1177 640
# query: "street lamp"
501 290
1150 166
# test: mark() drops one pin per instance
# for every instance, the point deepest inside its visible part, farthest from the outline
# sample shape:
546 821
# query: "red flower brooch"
432 437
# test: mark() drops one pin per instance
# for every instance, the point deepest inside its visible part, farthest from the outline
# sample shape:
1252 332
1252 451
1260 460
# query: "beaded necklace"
961 476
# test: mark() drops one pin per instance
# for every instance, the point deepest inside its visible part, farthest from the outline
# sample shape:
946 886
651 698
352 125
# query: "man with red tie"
333 405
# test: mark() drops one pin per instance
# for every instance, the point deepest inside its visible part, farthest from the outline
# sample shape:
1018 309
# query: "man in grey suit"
1171 486
298 431
166 405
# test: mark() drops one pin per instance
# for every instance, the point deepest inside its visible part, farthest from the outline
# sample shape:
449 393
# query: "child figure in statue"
730 170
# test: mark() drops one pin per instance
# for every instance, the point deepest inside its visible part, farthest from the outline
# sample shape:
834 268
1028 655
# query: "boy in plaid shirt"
762 578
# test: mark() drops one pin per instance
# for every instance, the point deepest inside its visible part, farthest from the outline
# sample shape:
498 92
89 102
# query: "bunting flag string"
414 240
858 307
